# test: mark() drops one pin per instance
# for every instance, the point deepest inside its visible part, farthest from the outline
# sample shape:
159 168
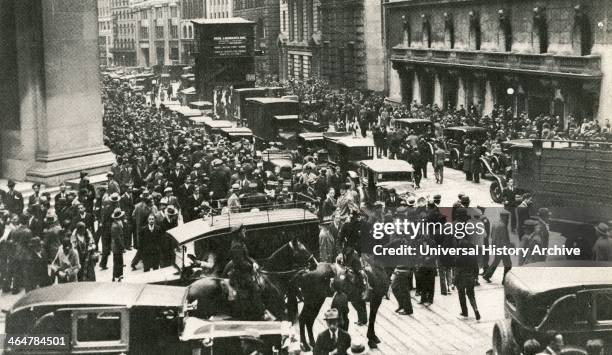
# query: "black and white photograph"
325 177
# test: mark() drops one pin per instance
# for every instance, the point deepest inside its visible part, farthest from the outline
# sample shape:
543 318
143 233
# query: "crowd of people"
168 171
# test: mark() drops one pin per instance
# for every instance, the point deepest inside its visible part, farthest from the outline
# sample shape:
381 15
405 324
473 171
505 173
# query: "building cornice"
420 3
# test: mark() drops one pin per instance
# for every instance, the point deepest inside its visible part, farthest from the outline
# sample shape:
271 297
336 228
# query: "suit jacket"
324 345
117 245
150 240
60 204
14 202
88 219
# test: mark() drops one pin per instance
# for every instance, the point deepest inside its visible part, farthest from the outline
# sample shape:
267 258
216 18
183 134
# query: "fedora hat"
171 211
117 213
602 229
114 197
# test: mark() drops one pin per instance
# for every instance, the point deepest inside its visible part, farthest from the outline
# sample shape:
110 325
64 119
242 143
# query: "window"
159 32
100 328
541 28
604 306
174 31
190 31
185 32
144 32
284 20
158 12
145 14
173 11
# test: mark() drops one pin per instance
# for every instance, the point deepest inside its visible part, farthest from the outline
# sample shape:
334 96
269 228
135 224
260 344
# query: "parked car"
454 142
384 174
121 318
575 300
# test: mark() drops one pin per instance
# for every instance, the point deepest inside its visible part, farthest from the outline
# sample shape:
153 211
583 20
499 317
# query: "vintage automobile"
235 134
282 159
238 102
454 138
420 126
384 174
287 127
346 151
120 318
261 111
570 178
213 126
266 231
312 140
573 298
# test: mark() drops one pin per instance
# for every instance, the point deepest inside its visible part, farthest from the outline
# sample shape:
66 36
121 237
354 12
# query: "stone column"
460 92
395 91
416 88
68 116
489 99
438 98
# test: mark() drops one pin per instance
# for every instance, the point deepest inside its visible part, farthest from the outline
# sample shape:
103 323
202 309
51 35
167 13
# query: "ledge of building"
53 172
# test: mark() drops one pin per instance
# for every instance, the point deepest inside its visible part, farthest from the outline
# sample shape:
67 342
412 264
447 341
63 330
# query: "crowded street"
286 177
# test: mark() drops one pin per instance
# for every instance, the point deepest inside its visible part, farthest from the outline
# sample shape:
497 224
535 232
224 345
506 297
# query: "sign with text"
230 46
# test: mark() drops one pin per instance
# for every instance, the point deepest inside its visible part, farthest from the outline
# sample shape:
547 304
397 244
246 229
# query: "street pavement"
436 329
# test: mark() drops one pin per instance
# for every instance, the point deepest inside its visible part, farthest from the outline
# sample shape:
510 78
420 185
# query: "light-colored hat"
118 213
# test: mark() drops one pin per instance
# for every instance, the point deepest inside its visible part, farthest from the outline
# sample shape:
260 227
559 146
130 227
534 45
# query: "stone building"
124 32
351 52
300 39
158 32
265 14
105 32
50 91
198 9
534 56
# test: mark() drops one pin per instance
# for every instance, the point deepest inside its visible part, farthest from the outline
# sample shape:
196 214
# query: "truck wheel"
503 341
496 192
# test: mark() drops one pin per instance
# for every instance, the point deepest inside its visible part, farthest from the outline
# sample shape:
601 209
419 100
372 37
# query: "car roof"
351 141
465 128
311 135
388 165
102 294
270 100
286 117
201 229
413 120
547 276
250 89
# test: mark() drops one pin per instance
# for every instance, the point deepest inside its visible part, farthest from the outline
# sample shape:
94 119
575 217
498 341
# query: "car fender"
456 153
485 162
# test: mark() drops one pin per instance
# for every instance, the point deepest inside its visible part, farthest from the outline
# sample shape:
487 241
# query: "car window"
395 176
104 326
604 306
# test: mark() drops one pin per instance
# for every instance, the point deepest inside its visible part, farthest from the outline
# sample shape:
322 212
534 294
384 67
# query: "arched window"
449 30
185 32
407 34
540 28
475 32
505 29
582 35
190 30
426 31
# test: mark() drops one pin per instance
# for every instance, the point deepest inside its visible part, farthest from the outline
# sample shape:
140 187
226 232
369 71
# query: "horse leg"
292 306
316 307
374 305
304 320
362 315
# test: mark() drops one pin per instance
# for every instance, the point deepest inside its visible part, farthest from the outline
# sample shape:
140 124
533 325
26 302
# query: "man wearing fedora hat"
112 185
602 250
166 250
106 222
13 200
333 340
117 243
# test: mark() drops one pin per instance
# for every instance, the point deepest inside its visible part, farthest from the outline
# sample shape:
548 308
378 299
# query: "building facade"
124 32
158 32
533 56
198 9
351 53
265 14
299 41
105 32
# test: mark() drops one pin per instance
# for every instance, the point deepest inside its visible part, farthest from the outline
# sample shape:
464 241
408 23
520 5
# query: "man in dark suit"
192 205
85 217
150 240
14 199
177 176
61 197
183 191
333 339
392 202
